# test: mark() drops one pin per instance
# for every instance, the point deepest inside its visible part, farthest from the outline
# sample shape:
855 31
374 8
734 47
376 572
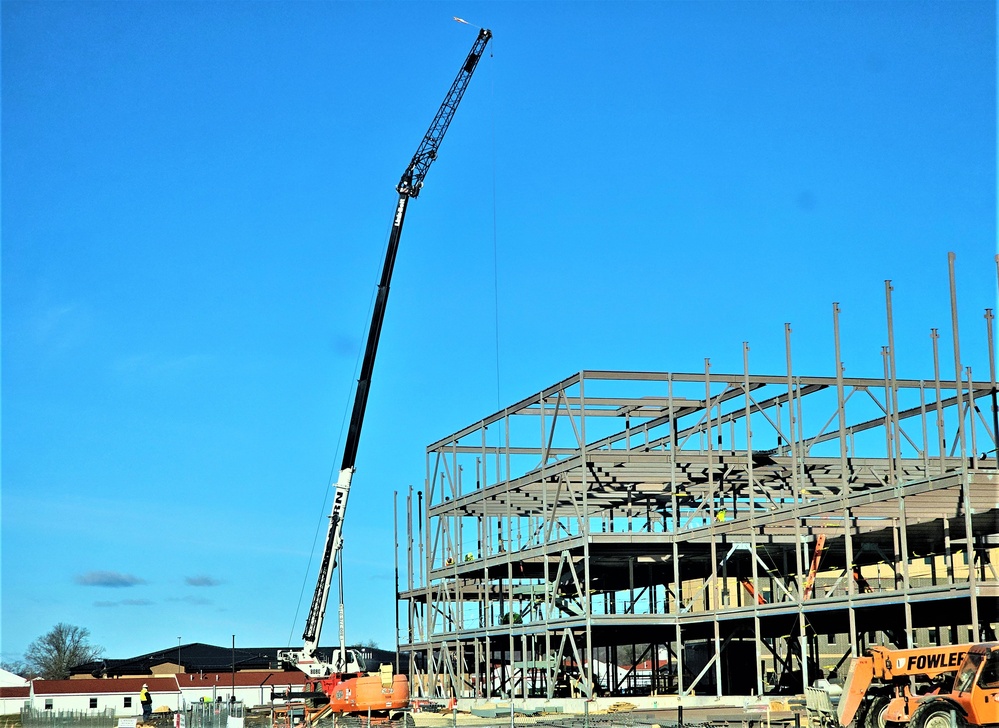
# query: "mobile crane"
342 679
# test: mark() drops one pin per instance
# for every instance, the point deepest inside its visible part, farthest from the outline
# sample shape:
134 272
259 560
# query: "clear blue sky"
196 198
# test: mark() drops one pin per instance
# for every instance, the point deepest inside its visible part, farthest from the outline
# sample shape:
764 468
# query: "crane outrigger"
342 679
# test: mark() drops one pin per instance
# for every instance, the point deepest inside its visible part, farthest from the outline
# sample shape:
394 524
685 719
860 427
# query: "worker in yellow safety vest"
147 702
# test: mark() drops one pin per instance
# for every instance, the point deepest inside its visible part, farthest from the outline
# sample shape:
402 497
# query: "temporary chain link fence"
231 715
214 715
35 718
195 715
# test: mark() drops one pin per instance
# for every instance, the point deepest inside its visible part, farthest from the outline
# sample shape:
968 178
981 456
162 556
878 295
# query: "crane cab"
316 666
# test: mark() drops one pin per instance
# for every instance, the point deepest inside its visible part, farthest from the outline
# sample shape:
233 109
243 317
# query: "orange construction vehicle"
885 682
974 696
887 688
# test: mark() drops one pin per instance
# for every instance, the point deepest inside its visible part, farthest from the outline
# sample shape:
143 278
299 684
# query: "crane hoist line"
341 678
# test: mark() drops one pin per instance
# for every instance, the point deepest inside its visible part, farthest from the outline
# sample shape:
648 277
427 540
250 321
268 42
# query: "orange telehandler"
974 696
883 678
886 687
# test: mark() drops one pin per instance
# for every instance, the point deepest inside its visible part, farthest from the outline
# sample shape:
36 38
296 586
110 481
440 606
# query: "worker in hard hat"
147 703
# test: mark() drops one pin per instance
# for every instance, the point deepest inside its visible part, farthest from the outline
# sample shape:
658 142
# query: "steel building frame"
667 532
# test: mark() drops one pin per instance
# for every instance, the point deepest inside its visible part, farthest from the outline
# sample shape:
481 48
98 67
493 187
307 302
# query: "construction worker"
147 703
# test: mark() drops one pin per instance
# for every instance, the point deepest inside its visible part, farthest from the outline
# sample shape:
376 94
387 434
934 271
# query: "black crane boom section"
409 187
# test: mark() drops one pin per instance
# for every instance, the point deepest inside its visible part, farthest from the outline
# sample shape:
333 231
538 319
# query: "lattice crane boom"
408 188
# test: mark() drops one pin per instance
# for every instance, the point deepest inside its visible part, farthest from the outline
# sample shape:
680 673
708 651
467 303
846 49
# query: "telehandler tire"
874 716
937 714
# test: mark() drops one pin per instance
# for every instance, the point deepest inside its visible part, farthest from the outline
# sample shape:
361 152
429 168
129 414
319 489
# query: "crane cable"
492 116
330 480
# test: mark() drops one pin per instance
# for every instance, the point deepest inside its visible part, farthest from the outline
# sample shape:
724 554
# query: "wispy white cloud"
61 326
195 601
111 579
126 603
202 581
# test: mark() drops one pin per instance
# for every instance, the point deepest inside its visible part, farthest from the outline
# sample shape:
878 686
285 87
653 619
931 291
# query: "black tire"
874 716
861 714
937 714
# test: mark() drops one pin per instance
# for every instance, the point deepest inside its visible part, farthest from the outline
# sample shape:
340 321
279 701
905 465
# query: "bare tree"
51 656
18 668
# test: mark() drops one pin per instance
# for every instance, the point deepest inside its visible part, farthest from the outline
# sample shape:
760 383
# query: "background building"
202 672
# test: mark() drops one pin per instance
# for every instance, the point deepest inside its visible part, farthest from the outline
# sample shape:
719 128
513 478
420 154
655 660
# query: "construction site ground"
663 710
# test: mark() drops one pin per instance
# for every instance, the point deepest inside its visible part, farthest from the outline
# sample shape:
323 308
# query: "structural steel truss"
666 532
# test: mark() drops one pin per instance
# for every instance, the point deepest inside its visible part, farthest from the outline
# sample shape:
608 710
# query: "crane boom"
426 153
408 188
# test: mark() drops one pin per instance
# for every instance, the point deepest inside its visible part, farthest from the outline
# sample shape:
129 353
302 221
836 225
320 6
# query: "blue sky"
196 198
